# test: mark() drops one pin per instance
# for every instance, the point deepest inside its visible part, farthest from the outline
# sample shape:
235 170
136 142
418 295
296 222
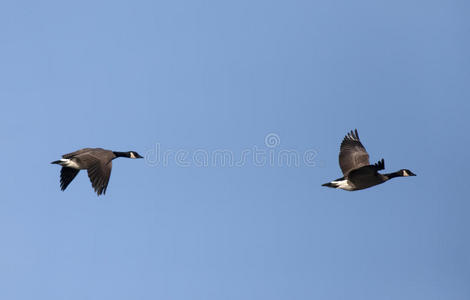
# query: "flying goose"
98 163
358 172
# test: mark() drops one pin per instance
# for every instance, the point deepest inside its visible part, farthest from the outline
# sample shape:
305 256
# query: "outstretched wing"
99 173
352 154
380 165
66 176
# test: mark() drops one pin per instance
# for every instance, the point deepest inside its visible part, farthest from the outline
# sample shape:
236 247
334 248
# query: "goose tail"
330 184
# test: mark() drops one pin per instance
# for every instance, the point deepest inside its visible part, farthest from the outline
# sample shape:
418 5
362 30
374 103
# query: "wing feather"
380 165
99 174
66 176
352 154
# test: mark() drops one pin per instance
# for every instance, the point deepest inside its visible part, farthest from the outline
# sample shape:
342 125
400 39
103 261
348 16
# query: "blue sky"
218 75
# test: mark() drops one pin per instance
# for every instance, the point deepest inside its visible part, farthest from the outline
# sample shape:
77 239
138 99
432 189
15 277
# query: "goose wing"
98 163
380 165
99 172
352 154
66 176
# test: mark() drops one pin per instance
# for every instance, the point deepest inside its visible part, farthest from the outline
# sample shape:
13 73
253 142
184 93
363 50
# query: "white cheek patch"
132 155
405 173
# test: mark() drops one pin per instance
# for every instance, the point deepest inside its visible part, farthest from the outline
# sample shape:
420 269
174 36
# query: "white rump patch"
69 163
343 184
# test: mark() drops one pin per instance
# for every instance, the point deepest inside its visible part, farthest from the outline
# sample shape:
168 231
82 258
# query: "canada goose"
358 172
98 163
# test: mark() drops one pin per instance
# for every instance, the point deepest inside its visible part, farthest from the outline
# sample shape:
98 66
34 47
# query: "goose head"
406 172
133 154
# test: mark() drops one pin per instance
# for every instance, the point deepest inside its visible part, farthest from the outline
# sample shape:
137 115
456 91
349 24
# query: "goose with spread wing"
358 172
98 163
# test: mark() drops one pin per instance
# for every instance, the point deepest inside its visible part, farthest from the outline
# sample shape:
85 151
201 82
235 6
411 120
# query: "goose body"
358 173
98 163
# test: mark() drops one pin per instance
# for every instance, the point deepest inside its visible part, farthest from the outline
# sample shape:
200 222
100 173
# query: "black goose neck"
121 154
394 174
